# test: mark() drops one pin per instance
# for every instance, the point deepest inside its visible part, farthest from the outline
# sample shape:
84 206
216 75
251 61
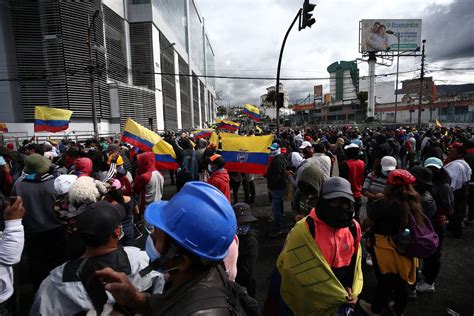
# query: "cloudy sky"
246 36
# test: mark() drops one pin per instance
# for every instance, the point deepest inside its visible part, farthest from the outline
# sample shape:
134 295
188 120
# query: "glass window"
173 13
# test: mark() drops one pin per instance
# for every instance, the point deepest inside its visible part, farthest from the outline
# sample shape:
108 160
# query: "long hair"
405 197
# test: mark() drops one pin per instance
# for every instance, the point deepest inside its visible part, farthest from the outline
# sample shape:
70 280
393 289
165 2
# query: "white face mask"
209 168
385 173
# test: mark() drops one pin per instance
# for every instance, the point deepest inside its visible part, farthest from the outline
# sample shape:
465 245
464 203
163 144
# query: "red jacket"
220 179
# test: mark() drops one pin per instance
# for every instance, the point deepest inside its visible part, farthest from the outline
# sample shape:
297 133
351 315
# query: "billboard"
382 35
318 92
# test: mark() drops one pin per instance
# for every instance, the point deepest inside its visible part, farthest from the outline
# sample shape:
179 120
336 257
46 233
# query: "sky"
246 36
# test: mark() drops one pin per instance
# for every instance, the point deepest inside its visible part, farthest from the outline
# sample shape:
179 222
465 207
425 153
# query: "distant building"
267 107
412 87
148 62
344 82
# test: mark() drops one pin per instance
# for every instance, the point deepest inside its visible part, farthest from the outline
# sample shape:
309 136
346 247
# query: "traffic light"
307 16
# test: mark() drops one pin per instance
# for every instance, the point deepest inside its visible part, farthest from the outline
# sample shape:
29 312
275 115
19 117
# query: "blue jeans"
277 207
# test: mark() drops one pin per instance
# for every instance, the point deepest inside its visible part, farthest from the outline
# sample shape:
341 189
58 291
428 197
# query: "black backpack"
231 296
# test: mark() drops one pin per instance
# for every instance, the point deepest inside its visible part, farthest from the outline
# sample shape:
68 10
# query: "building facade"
146 59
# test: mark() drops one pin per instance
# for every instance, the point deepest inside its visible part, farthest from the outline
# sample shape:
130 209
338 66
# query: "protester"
321 160
276 182
219 177
248 248
328 238
308 191
189 252
395 272
235 182
460 174
353 169
375 182
11 247
44 234
469 158
63 293
248 184
148 184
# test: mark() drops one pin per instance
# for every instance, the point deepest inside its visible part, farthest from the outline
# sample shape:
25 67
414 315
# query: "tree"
270 98
221 110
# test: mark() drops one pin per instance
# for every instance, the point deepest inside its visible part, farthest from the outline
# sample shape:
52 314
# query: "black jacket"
248 253
276 173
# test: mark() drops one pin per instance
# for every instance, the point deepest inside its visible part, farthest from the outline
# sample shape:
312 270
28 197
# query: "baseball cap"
351 145
336 187
433 162
400 177
274 146
305 144
100 219
388 163
243 213
456 145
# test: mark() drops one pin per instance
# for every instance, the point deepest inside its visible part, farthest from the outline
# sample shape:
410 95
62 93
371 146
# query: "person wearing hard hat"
192 235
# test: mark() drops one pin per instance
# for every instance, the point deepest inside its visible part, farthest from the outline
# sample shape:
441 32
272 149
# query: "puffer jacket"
220 179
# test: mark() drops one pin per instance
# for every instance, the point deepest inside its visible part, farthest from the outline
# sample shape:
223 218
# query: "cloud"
246 36
449 30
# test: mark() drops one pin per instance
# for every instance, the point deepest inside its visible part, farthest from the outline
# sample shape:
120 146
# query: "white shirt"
11 247
460 173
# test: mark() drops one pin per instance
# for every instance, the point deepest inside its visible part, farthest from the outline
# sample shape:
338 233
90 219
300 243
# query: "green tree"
270 98
221 110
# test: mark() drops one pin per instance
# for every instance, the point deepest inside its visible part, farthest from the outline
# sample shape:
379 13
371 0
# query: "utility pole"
90 23
396 80
422 75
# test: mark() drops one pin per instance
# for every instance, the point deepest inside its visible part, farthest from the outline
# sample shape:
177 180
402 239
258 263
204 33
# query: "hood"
146 163
311 178
221 174
83 165
296 159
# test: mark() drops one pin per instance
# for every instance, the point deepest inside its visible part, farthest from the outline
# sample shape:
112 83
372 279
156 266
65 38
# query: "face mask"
385 173
336 217
274 153
151 250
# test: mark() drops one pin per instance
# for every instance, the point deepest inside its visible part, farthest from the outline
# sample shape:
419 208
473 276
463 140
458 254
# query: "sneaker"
424 287
275 234
367 308
412 295
368 260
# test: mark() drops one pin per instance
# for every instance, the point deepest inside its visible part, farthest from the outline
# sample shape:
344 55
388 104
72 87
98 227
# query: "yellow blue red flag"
147 140
51 119
202 133
227 124
252 111
165 157
247 154
139 136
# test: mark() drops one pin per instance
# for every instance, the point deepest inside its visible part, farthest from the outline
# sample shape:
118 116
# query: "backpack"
231 296
422 241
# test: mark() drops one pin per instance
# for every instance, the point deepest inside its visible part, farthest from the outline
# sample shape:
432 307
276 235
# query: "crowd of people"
95 234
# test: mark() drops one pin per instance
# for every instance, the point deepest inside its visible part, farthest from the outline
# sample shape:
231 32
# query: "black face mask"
336 217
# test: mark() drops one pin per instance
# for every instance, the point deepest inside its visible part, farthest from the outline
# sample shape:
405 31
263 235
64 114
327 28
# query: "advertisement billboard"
383 35
318 92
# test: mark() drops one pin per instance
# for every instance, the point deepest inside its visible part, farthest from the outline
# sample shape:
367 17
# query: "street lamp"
90 22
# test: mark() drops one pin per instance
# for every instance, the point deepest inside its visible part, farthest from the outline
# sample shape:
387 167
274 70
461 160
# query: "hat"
100 219
83 165
217 160
118 163
116 185
112 147
422 174
433 162
456 145
36 163
305 144
336 187
243 213
351 145
274 146
388 163
400 177
63 183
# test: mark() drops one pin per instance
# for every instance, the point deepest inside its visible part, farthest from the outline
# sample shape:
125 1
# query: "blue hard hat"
199 218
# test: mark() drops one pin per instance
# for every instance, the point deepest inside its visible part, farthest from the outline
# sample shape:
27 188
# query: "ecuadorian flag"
252 111
247 154
141 137
202 133
165 157
227 124
51 119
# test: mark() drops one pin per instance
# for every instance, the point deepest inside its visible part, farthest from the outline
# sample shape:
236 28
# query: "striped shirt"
374 184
